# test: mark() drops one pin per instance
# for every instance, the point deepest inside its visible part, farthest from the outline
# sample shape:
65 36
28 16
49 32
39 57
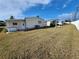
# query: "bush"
4 30
1 29
2 23
52 25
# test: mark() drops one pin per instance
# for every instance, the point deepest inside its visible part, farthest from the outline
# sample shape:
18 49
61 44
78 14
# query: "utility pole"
56 22
76 13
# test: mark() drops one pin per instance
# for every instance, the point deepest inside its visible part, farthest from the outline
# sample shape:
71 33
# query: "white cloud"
66 3
16 7
65 16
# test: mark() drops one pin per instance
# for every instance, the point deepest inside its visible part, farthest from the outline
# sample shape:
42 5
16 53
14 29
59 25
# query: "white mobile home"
24 24
49 23
15 25
34 22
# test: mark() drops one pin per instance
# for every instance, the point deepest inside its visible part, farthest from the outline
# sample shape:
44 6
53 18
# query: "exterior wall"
76 23
48 23
20 25
60 23
29 23
32 22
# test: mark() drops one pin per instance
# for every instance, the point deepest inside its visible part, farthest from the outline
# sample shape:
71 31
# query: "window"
39 22
23 24
14 23
37 26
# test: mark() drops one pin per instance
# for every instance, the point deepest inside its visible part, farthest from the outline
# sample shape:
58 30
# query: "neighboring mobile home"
15 25
35 22
24 24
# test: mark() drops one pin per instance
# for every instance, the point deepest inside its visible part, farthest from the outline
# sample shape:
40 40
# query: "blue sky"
54 9
44 8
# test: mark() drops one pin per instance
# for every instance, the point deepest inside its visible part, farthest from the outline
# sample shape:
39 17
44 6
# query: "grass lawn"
50 43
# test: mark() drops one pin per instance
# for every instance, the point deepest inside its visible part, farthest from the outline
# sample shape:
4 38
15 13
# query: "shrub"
1 29
4 30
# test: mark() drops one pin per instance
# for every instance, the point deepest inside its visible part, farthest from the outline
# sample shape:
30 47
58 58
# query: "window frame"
14 23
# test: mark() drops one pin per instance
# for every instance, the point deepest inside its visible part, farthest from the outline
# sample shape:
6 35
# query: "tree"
68 20
2 23
11 17
53 23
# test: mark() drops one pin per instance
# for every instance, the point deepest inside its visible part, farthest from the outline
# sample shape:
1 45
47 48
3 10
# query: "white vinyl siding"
19 26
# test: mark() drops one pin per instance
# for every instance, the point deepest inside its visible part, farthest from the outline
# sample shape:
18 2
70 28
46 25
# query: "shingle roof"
24 19
33 18
15 20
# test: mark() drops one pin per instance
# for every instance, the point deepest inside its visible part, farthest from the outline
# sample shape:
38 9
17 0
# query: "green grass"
51 43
